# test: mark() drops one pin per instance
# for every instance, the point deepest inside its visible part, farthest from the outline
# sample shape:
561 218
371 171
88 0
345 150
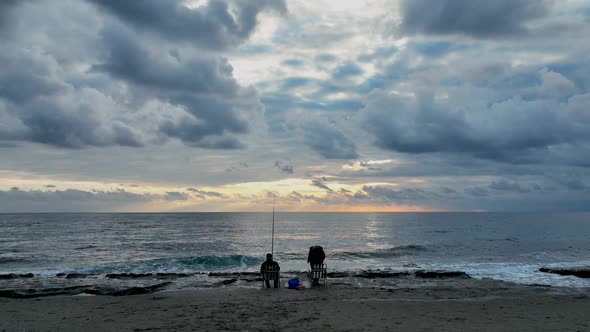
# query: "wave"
398 251
212 263
178 265
6 260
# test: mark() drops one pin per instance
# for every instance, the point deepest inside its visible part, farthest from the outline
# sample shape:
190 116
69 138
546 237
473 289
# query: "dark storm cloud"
74 126
503 130
6 6
328 141
284 166
129 60
217 25
480 19
23 76
203 86
48 96
64 121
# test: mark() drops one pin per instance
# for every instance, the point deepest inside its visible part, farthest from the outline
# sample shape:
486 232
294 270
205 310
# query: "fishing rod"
272 245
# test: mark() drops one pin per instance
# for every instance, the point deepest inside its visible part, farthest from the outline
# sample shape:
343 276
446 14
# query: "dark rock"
226 282
76 275
129 275
140 290
577 272
238 275
173 275
441 274
380 274
127 291
16 276
33 293
337 274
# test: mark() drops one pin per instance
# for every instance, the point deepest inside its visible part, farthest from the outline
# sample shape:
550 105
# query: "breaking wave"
183 264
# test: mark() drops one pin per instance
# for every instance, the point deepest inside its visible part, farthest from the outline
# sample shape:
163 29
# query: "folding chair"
271 274
318 271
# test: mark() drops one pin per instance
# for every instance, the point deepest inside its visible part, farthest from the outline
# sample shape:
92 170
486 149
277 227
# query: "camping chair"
318 271
271 274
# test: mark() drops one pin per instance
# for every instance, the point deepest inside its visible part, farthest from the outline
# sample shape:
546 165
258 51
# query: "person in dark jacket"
270 265
315 258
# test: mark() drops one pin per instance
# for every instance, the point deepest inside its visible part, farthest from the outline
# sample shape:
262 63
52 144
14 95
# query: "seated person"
315 258
270 265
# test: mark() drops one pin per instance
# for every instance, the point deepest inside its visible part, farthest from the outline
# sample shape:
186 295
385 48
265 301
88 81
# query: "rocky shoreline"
219 279
581 272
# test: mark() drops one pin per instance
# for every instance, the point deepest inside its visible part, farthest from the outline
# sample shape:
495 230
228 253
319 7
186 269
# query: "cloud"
402 195
6 7
254 49
380 53
59 114
216 25
435 48
285 167
128 89
75 125
499 18
325 57
328 141
346 71
296 63
176 196
203 86
477 191
203 193
295 82
320 184
481 128
18 200
504 185
575 184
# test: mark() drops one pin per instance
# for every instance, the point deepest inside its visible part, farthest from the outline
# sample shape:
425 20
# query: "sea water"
504 246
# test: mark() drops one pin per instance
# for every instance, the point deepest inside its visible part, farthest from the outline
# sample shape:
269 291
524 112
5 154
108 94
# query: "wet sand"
459 305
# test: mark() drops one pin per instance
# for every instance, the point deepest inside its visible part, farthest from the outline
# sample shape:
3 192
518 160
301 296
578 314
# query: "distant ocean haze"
506 246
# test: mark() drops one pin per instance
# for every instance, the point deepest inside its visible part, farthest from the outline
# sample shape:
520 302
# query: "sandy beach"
455 305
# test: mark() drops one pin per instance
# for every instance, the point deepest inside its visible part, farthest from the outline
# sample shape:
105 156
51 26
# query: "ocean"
192 250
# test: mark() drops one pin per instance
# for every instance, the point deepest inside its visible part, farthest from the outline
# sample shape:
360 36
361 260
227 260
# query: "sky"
323 105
